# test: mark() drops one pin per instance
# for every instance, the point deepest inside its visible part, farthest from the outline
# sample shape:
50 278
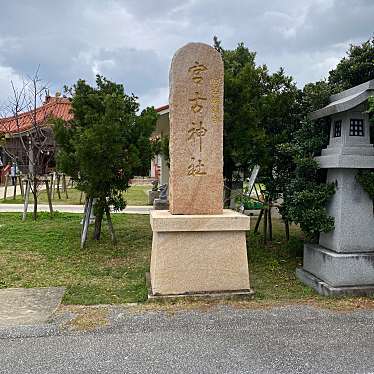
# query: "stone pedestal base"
197 254
333 273
326 289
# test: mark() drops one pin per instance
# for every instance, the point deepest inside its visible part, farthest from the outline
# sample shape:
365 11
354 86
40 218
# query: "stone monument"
198 247
343 261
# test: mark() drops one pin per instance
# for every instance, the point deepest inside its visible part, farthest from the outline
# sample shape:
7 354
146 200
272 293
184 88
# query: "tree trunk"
228 192
35 194
80 198
49 196
64 186
228 171
98 220
270 223
287 229
26 202
21 187
6 185
15 188
58 186
53 185
110 225
265 224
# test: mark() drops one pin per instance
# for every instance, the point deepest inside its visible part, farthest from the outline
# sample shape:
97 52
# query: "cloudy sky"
132 41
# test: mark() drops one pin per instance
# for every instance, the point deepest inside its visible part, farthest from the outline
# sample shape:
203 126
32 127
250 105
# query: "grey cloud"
150 8
132 41
140 70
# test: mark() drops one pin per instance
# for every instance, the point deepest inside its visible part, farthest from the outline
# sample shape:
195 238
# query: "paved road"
70 208
297 339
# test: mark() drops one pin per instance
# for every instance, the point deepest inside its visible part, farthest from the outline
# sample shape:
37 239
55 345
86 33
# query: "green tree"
315 96
244 138
261 112
105 143
356 68
306 193
279 113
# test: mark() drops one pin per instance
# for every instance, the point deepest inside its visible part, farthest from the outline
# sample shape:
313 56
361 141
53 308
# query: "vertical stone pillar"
197 247
196 131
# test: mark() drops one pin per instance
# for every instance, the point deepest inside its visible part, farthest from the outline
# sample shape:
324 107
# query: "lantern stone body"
343 261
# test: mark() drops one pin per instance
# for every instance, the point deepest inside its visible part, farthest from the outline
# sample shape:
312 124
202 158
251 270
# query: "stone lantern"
343 261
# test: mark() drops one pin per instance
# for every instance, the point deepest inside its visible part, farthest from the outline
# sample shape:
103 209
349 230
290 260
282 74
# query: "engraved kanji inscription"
197 132
196 168
196 71
196 102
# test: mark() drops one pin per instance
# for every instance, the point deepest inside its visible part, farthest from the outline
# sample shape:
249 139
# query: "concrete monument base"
199 254
334 273
339 269
326 289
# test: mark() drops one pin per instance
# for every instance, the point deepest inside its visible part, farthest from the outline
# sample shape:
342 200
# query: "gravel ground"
223 339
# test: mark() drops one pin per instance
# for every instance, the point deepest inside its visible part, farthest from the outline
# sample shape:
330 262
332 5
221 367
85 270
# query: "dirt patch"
333 304
115 262
87 318
344 304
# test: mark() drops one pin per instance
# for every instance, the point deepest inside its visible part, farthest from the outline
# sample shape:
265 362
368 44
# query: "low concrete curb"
29 331
327 290
28 306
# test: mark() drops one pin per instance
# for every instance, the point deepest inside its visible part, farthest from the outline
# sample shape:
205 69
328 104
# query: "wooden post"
58 186
21 187
258 221
287 229
86 222
6 185
49 196
26 202
64 187
15 188
270 223
35 194
98 219
84 215
110 225
53 184
265 224
62 175
80 199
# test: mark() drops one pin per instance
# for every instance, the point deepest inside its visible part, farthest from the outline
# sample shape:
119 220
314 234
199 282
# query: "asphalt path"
293 339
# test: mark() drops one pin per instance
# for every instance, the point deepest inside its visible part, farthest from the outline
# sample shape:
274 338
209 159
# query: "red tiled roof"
161 108
58 107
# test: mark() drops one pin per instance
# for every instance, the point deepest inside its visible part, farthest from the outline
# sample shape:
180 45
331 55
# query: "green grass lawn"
47 253
135 195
